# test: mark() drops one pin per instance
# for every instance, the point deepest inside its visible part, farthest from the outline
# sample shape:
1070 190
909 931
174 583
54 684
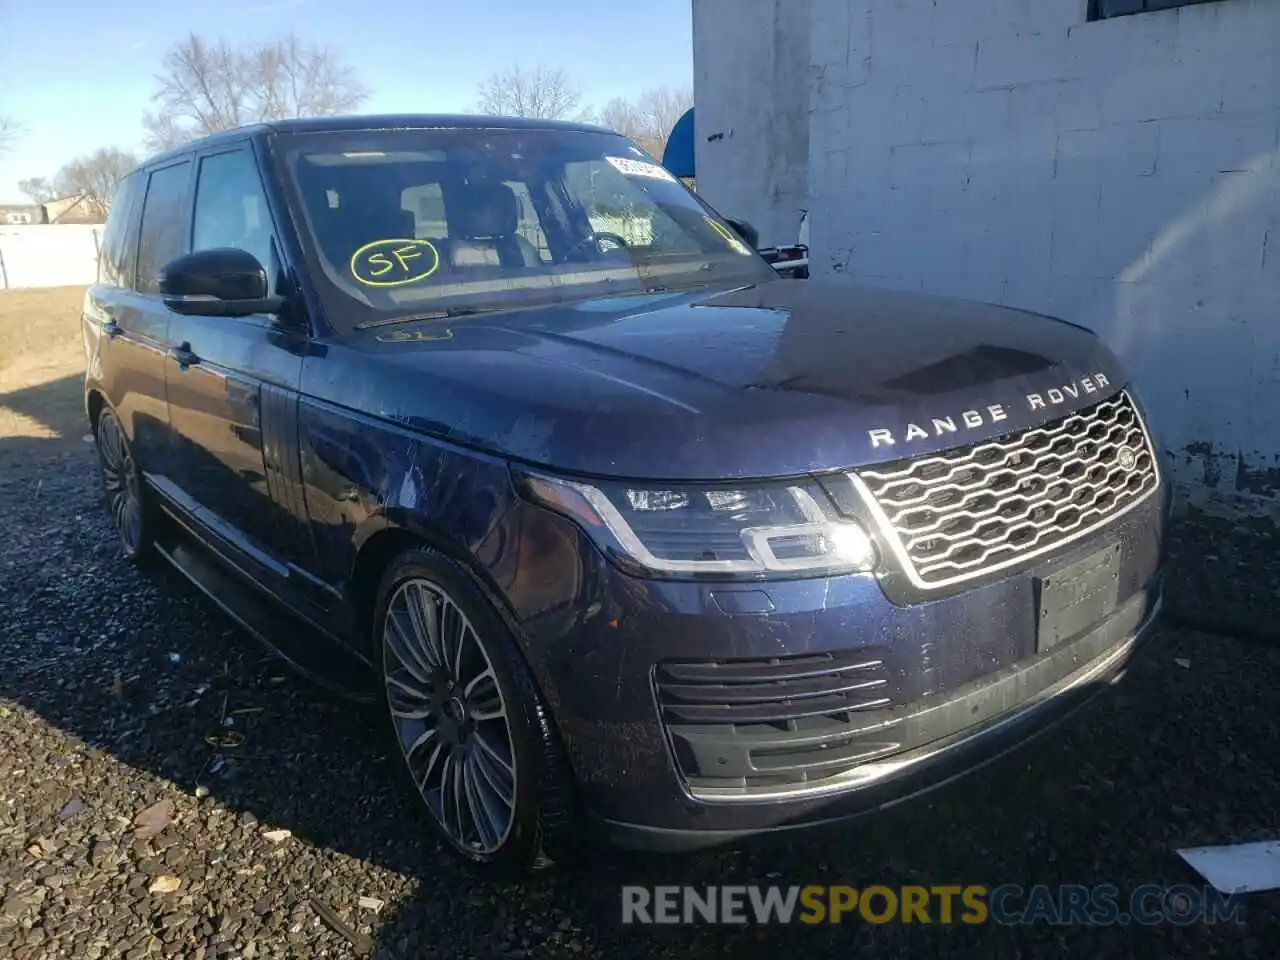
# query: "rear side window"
163 234
231 208
119 243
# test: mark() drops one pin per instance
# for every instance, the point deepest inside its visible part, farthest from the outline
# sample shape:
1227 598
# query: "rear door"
233 395
124 339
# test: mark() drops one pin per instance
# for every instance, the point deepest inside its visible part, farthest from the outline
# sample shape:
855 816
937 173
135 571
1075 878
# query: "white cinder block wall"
752 132
1123 174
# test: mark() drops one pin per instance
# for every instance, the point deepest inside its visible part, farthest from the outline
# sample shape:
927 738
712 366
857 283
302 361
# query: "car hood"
780 378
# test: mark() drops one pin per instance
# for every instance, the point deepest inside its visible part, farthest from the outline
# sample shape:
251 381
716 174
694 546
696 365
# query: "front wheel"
122 486
475 736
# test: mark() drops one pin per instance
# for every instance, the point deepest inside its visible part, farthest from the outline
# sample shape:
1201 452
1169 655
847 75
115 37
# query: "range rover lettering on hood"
991 414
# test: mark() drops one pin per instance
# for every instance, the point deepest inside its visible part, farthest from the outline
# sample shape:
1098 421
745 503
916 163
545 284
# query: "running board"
305 649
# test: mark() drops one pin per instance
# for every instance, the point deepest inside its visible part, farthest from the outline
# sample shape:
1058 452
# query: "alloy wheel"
120 480
450 716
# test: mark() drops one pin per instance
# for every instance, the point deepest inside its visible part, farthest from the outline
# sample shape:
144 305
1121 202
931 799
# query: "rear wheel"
468 721
126 497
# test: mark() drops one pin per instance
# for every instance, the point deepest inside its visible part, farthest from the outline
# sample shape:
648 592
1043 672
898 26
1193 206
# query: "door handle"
183 354
110 328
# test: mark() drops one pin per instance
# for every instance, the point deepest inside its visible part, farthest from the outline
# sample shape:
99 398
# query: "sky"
78 74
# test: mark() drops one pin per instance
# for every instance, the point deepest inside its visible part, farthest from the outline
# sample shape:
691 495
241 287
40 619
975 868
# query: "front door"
233 393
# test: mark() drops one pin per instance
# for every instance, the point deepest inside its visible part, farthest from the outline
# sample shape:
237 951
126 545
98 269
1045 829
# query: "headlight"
756 530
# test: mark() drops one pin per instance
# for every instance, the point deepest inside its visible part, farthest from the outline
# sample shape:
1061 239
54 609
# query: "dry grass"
41 364
39 328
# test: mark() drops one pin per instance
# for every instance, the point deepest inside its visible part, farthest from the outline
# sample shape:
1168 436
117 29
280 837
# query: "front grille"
966 512
782 722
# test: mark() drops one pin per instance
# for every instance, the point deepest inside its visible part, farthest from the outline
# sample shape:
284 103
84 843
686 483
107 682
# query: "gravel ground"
150 753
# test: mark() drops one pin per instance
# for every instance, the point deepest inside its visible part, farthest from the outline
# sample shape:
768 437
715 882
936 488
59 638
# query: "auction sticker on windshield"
639 168
394 262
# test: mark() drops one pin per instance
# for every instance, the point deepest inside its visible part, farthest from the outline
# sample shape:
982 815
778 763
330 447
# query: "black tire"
127 499
540 830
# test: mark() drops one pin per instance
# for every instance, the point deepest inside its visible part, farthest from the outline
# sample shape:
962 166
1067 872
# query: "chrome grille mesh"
965 512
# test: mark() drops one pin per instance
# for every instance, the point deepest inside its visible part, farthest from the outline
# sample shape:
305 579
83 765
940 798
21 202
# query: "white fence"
53 255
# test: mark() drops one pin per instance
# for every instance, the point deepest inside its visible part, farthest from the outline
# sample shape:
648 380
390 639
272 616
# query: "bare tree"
39 189
662 107
296 79
538 92
621 114
208 86
95 176
649 118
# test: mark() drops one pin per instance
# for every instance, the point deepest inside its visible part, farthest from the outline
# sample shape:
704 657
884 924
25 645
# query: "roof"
391 121
68 204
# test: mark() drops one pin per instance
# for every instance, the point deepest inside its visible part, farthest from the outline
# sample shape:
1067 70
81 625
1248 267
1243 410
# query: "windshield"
399 223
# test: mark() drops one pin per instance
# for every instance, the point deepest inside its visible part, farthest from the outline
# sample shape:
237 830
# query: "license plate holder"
1075 598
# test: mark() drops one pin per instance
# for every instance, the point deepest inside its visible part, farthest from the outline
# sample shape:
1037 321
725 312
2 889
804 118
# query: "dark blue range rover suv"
495 422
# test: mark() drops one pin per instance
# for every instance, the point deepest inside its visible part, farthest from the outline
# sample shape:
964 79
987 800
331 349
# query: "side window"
231 208
529 226
1102 9
426 203
163 234
115 259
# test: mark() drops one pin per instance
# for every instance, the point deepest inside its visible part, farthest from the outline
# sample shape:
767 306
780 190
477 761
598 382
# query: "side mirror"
749 234
222 282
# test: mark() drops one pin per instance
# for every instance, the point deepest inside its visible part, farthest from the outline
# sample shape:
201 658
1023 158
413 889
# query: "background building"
13 214
1121 171
74 209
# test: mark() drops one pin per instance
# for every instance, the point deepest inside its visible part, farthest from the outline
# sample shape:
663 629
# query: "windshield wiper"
448 314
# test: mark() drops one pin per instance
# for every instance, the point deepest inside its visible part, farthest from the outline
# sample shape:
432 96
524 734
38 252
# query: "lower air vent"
776 724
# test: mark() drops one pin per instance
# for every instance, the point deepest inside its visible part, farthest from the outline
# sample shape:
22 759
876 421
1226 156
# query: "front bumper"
958 677
1001 715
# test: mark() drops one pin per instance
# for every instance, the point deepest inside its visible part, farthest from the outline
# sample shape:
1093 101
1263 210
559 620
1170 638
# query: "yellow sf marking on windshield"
737 245
394 262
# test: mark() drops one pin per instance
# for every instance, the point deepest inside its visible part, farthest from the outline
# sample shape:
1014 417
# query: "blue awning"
678 157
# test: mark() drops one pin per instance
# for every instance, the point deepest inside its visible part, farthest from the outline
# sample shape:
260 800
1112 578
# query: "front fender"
365 477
